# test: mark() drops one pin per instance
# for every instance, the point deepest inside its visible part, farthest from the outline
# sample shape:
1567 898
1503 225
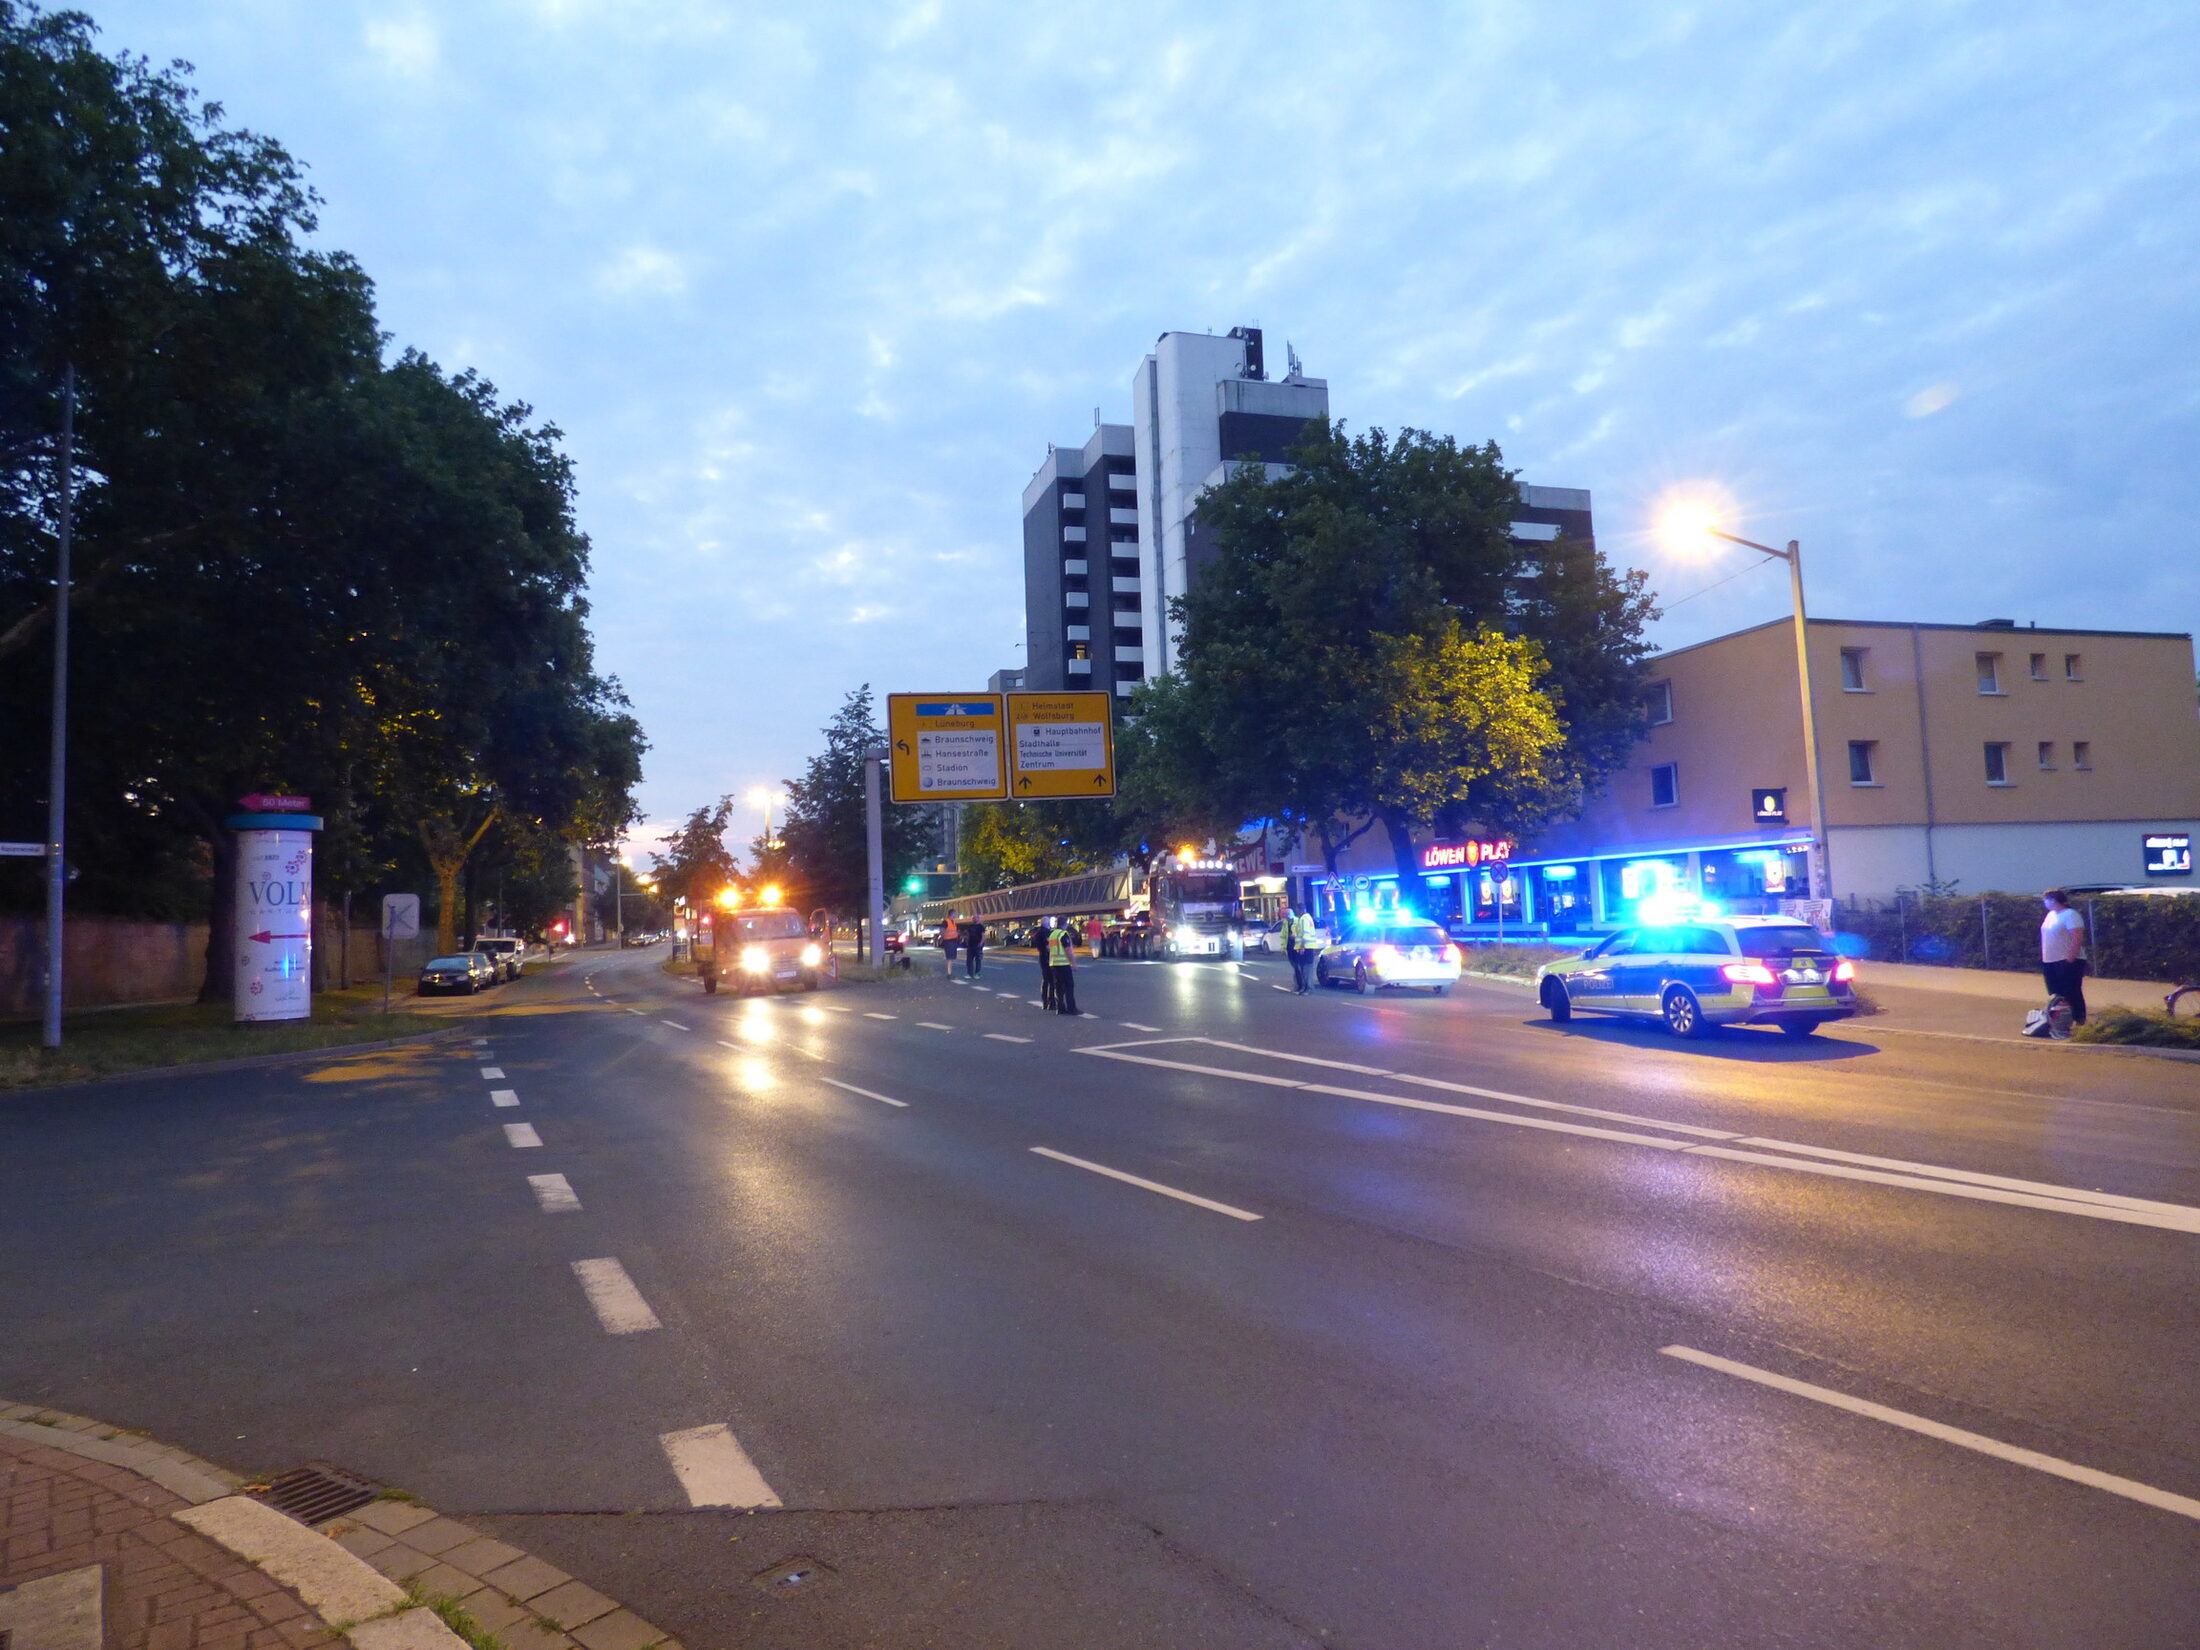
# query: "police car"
1701 973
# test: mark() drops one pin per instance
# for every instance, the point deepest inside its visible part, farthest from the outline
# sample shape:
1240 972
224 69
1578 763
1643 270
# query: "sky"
810 287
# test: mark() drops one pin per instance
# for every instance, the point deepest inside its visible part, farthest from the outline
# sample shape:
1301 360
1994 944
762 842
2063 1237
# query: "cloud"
642 271
1933 398
405 44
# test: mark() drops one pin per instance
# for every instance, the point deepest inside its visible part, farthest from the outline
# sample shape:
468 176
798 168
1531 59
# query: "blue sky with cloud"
810 287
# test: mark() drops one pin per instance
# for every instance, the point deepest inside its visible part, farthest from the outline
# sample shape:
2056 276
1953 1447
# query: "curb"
391 1576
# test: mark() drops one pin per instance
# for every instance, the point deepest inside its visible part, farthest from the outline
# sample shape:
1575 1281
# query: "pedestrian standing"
973 938
1042 940
2062 952
950 936
1095 930
1061 966
1294 948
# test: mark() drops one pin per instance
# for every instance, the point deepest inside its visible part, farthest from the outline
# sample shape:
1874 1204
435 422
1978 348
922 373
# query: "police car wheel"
1683 1014
1359 979
1556 1003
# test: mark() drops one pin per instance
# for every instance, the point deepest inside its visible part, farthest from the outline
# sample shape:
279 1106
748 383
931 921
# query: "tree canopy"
826 855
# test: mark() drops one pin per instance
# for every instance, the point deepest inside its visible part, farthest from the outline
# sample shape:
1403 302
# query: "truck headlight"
811 956
755 960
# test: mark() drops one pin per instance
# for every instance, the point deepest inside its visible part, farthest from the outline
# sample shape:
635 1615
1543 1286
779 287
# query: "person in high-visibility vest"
1302 945
1061 967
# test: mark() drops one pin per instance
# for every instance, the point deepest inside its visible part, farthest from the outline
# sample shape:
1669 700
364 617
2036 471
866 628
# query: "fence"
2132 937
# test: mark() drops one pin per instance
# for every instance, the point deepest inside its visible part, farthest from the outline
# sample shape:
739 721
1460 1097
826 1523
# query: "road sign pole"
874 849
57 781
389 947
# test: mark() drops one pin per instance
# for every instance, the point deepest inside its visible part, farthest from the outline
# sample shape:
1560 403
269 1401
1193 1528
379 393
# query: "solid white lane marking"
934 1025
873 1014
715 1470
675 1024
998 1037
1149 1185
1912 1176
1135 1026
883 1099
493 1073
2125 1487
504 1097
555 1194
619 1305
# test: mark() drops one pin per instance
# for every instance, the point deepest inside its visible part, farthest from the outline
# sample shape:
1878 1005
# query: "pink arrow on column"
263 936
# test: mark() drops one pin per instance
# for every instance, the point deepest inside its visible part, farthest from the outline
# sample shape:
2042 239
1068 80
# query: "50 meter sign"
986 747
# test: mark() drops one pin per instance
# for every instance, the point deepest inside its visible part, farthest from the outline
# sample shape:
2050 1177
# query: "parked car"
508 955
1694 977
1383 955
462 973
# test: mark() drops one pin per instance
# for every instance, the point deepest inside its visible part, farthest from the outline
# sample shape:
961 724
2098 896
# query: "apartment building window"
2047 756
2081 753
1997 762
1852 670
1861 754
2073 667
1665 785
1659 697
1989 673
2039 667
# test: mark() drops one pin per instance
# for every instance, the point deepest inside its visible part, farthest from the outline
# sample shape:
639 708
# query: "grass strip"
2138 1028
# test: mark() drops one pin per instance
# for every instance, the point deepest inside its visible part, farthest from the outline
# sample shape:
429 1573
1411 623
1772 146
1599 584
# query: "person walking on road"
973 938
2062 952
950 937
1300 945
1062 968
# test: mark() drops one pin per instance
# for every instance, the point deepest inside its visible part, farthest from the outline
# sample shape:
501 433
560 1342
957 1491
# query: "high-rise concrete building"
1111 529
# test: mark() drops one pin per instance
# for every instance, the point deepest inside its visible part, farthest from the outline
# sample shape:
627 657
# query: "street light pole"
57 773
875 852
1822 846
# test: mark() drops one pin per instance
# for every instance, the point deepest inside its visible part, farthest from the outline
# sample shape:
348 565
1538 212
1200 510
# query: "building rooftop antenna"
1293 371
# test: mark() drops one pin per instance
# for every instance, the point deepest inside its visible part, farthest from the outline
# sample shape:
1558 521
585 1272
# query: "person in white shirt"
2062 952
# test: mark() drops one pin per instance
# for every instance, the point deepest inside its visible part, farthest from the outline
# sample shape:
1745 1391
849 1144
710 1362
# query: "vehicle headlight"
811 956
756 960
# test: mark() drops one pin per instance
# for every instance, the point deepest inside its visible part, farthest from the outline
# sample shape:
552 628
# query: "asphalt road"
1420 1322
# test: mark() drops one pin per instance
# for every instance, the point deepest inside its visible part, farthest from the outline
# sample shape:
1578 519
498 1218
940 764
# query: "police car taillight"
1748 973
1844 970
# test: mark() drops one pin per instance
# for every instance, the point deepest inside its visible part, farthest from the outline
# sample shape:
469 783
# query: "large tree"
824 832
1370 643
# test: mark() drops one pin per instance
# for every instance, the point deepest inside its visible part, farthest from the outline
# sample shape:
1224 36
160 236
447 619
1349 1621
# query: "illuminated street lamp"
1683 523
767 798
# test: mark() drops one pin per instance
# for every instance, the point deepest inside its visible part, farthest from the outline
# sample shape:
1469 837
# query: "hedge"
2134 937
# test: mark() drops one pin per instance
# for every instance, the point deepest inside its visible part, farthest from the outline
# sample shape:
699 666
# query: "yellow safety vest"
1302 931
1058 947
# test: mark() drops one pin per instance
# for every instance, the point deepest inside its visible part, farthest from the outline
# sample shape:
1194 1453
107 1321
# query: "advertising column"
274 906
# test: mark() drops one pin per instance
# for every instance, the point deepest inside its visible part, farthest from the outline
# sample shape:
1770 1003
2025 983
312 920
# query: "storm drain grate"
795 1575
315 1492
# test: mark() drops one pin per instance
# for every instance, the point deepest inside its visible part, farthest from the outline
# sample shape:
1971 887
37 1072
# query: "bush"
2148 1028
1518 962
2133 937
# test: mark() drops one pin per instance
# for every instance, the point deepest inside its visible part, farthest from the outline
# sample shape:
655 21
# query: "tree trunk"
446 905
221 919
1408 858
473 926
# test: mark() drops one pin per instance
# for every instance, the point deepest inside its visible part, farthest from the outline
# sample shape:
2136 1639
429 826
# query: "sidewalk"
108 1542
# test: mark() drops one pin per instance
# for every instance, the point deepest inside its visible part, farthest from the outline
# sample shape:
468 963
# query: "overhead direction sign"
1060 744
946 747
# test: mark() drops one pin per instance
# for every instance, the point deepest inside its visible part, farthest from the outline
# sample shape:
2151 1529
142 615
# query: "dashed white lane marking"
555 1194
882 1099
873 1014
1149 1185
1286 990
2130 1490
715 1470
934 1025
722 1043
998 1037
1007 998
619 1305
494 1074
521 1134
838 1008
481 1042
641 1012
504 1097
1135 1026
675 1024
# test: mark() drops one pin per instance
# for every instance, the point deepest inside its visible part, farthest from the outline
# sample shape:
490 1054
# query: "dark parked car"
462 973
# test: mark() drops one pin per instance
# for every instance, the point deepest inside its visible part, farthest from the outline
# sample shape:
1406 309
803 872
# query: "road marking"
1007 997
619 1305
555 1194
882 1099
494 1074
839 1008
1149 1185
481 1042
675 1024
1924 1177
1135 1026
504 1097
715 1470
934 1025
997 1037
873 1014
1286 990
2125 1487
521 1134
638 1011
722 1043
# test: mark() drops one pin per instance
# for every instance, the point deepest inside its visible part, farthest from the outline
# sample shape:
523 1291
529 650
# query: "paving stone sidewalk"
111 1542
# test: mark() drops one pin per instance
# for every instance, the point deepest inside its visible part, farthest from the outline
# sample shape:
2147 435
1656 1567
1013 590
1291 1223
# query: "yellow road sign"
946 747
1060 744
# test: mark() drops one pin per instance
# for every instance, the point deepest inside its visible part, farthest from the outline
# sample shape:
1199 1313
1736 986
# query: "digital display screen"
2168 854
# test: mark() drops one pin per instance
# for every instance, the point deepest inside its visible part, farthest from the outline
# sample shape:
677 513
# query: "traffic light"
915 885
558 927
